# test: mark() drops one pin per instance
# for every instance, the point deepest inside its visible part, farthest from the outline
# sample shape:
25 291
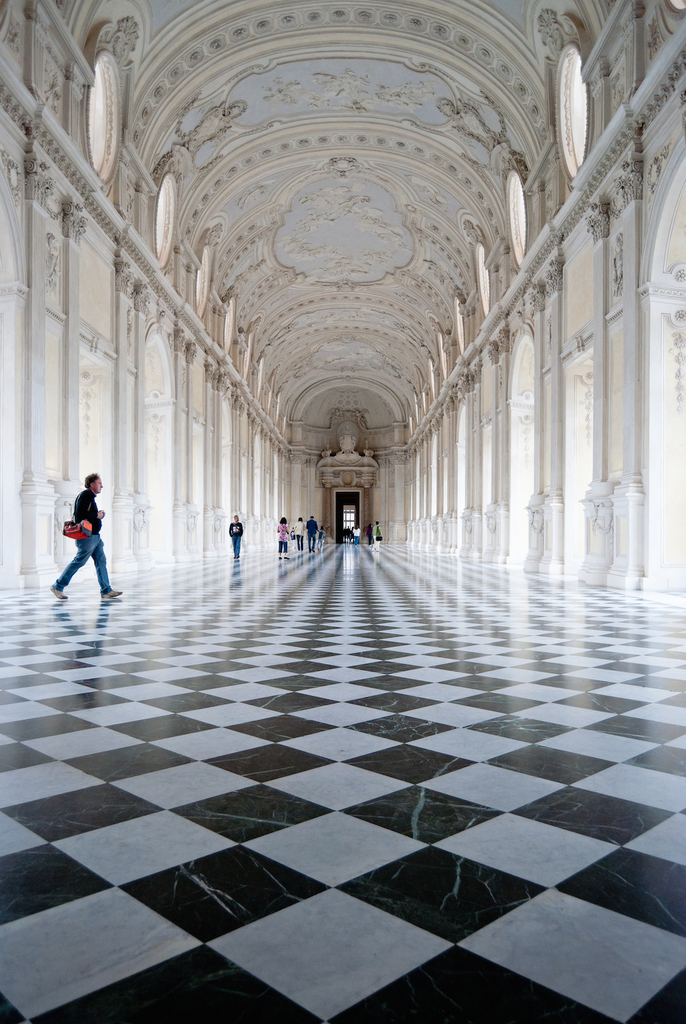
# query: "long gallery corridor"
358 787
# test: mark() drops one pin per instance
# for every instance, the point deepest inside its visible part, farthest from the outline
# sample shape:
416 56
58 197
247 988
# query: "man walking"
312 530
90 547
235 533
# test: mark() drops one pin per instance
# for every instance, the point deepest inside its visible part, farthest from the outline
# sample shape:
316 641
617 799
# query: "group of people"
89 545
316 535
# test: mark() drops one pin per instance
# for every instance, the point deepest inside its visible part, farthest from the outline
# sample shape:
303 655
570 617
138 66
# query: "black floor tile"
270 762
393 702
500 702
284 727
149 729
8 1013
593 701
42 877
639 729
250 813
671 760
549 763
84 701
217 894
186 702
38 728
527 730
667 1007
411 764
197 986
592 814
422 813
400 728
459 987
631 883
16 755
113 765
287 703
69 814
442 893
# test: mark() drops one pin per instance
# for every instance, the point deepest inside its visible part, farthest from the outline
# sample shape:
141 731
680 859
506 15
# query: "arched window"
572 111
484 283
104 117
165 215
202 284
517 209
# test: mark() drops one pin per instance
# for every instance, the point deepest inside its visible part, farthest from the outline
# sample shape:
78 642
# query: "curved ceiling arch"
343 162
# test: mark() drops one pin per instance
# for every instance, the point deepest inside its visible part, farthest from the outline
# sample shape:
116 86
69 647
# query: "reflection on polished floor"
362 788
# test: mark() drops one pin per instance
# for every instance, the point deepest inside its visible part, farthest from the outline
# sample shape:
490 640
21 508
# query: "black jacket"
236 530
85 508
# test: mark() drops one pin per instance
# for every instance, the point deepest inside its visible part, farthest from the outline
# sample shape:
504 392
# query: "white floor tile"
526 848
14 837
22 711
338 785
535 691
118 714
242 692
604 745
346 950
82 946
148 691
558 714
210 743
456 715
666 840
40 781
643 786
442 691
342 691
559 941
174 787
490 786
334 847
339 744
341 714
467 743
142 846
76 744
230 714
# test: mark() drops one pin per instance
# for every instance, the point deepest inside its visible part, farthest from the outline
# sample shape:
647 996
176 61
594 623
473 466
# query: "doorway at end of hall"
347 512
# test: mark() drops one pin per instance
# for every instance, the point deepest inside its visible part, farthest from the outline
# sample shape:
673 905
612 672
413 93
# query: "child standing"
282 530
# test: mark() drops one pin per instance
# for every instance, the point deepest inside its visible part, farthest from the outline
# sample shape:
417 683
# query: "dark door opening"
347 512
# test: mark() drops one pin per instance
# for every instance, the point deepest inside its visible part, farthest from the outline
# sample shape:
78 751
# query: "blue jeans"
311 538
93 548
357 540
299 538
283 546
236 541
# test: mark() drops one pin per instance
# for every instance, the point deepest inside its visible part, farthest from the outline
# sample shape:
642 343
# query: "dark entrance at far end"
347 512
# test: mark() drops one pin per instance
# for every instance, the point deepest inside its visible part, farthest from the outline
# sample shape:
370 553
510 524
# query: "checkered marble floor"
358 788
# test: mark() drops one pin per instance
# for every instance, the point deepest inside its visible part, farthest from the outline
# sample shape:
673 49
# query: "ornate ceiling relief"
345 230
345 86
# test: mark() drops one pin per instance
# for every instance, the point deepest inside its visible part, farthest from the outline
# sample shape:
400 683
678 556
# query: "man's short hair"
91 478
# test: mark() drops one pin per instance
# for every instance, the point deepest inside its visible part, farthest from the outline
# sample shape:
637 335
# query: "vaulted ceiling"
341 161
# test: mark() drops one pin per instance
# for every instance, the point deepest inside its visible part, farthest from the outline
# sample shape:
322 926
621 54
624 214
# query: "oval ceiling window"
202 285
104 117
484 283
572 111
164 219
517 208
